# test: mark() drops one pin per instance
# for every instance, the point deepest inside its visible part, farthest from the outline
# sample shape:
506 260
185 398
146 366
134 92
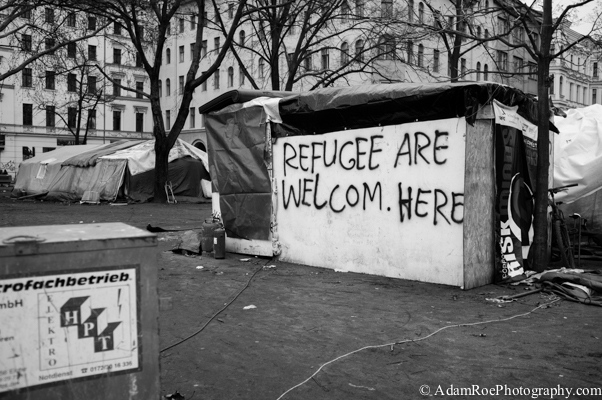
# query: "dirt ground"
374 337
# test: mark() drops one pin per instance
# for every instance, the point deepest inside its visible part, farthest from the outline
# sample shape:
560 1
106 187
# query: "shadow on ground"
375 337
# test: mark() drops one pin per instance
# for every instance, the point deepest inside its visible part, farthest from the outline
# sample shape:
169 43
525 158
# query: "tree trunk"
540 223
161 176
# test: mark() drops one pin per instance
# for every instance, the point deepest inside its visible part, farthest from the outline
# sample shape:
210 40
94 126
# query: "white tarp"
578 152
141 158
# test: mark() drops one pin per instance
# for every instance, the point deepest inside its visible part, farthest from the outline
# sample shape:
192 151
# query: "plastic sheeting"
37 174
354 107
89 158
185 175
236 143
578 153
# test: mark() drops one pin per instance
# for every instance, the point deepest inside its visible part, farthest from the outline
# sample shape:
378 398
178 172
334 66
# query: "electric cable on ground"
217 313
411 340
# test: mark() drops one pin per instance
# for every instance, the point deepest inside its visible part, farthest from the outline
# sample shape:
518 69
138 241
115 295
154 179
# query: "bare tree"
37 29
318 43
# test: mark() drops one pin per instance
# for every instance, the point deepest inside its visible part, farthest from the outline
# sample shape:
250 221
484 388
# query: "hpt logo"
90 323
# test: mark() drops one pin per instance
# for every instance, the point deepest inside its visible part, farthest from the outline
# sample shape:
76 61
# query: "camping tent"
413 181
37 173
126 168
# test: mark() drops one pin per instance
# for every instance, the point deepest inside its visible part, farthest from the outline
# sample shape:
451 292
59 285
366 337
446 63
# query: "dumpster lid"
74 237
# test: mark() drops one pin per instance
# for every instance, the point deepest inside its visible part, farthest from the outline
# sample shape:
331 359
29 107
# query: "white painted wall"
321 227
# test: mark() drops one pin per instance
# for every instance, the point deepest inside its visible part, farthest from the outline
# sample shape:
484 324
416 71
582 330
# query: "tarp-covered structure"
578 160
121 169
300 171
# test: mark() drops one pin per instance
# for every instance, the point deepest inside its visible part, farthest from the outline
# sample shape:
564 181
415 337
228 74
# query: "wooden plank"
479 190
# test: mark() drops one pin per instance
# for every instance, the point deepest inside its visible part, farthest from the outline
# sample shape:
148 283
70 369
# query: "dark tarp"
89 158
236 136
185 175
355 107
236 147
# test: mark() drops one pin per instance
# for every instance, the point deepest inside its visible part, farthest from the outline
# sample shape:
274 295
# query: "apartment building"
64 93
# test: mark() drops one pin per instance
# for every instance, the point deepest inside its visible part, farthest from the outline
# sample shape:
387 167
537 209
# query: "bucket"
207 235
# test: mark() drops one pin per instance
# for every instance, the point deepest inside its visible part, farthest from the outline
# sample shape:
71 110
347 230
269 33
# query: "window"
181 84
28 153
91 23
260 67
91 119
167 119
486 43
411 10
216 79
231 10
595 70
140 89
216 44
486 72
571 91
92 84
325 59
192 50
386 47
533 71
138 60
308 62
386 8
345 11
421 13
420 55
139 122
181 53
344 53
503 26
181 24
71 49
49 44
168 30
50 116
359 51
116 120
167 87
584 95
578 93
116 28
436 61
241 77
241 38
27 79
230 76
594 94
168 56
192 22
203 48
27 114
117 56
49 15
25 42
71 117
478 31
160 88
50 79
410 51
478 71
552 87
502 60
463 68
518 64
518 35
71 83
359 8
560 88
116 87
204 84
26 14
191 116
91 52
